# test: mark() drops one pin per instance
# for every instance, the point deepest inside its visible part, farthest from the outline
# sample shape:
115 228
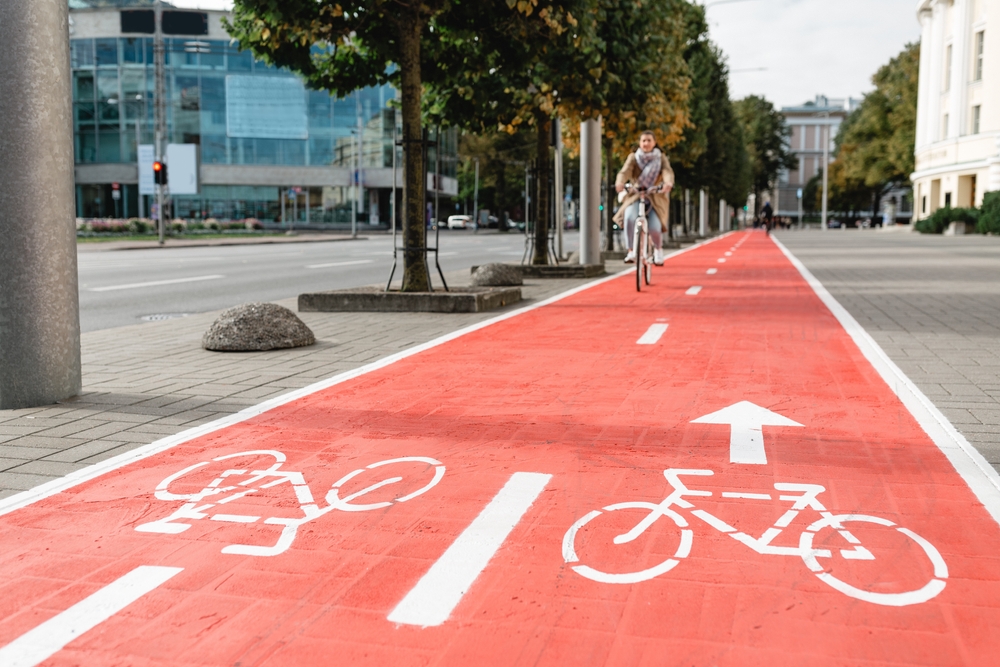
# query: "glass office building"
268 148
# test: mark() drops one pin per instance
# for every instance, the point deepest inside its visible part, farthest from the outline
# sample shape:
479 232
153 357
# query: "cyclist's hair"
649 132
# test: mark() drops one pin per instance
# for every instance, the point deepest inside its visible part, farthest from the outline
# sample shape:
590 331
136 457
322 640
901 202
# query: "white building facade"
958 104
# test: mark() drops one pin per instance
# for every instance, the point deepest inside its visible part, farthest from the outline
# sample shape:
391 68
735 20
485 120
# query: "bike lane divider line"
47 639
722 260
712 272
439 591
653 334
693 291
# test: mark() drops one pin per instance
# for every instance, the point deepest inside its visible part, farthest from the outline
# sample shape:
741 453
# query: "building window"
975 118
947 199
944 127
947 69
980 41
923 204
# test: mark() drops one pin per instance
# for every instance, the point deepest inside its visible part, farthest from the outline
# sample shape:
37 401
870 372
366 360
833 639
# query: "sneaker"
630 257
658 256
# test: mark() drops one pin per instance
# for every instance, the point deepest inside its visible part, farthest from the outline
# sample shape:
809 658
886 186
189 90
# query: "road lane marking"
439 591
729 254
96 470
722 260
712 272
155 283
332 264
693 290
652 335
50 637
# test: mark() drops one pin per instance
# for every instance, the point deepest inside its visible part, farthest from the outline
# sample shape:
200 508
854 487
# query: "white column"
994 162
702 213
958 96
558 220
923 88
723 218
590 192
937 72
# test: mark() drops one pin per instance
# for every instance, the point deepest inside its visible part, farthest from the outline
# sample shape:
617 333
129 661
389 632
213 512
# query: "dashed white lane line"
154 283
50 637
722 260
712 272
729 254
653 334
693 290
333 264
439 591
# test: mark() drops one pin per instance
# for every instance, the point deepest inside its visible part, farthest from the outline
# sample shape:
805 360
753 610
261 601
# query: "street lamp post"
159 109
475 200
826 168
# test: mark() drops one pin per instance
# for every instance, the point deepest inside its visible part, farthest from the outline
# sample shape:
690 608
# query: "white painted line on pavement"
332 264
729 254
68 481
154 283
439 591
653 334
693 290
712 272
722 260
47 639
980 476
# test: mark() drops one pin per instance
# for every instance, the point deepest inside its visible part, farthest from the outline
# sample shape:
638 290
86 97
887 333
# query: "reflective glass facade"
113 84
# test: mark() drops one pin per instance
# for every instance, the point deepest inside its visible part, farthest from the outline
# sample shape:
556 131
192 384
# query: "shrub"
178 226
939 220
989 214
194 225
140 226
253 223
233 224
108 226
212 223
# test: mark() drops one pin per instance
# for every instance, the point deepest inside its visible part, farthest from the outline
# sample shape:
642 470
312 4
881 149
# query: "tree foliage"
767 138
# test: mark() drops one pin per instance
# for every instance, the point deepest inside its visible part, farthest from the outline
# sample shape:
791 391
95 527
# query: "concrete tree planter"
374 299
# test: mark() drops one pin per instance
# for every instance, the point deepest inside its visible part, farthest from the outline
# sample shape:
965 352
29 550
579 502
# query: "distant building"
958 104
267 147
810 124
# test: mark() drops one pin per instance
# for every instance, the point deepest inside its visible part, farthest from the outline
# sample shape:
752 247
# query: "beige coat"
660 200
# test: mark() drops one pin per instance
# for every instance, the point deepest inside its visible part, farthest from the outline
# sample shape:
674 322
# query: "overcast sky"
791 50
809 47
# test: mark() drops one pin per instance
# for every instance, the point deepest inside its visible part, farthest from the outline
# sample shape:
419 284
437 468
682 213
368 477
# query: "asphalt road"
122 287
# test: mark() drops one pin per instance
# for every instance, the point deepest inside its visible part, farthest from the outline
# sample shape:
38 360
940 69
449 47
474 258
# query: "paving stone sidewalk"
148 381
932 303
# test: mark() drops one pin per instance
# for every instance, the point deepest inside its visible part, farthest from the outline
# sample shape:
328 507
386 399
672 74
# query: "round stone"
497 275
255 327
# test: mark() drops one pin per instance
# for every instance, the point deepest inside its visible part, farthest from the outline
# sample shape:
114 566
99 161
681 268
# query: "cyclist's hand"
619 187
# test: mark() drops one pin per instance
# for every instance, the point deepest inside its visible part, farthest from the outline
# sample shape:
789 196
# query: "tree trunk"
500 200
609 209
415 275
544 168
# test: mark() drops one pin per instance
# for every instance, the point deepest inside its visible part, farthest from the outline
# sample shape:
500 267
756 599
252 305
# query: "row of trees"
512 67
874 145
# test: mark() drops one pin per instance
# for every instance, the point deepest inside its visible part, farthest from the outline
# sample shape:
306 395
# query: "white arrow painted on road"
746 437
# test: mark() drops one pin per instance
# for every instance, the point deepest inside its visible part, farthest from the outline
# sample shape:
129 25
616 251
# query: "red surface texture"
566 391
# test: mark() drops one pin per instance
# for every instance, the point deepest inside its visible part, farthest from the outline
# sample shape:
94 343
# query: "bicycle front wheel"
648 273
893 549
572 543
640 256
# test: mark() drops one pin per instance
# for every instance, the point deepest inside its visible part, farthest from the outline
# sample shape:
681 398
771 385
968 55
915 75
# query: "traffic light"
159 173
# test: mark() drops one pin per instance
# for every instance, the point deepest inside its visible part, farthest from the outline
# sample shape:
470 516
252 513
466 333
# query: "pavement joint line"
975 470
58 485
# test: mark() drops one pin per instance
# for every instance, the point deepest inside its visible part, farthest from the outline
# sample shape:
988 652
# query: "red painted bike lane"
682 476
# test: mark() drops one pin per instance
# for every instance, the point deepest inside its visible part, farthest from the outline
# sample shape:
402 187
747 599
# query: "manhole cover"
162 316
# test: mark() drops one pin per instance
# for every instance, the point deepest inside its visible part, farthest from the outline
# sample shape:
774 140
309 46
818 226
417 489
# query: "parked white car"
459 221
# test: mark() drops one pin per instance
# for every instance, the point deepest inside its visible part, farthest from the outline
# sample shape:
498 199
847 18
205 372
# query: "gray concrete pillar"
590 192
39 303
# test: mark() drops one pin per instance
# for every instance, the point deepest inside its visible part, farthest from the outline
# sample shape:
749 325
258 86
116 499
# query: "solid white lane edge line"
60 484
693 290
439 591
332 264
982 479
154 283
652 335
47 639
712 272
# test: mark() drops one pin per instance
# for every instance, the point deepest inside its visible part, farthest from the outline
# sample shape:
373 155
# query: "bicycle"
194 509
806 498
640 237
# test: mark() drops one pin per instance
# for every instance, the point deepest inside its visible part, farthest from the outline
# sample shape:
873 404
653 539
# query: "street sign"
147 185
182 159
599 514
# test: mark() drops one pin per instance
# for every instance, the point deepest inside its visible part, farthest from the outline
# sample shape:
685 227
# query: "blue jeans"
652 224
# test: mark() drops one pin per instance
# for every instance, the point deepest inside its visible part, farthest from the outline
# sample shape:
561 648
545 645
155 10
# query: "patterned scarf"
650 163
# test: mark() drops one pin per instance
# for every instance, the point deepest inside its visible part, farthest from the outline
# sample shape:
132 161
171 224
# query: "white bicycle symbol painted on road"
222 493
802 496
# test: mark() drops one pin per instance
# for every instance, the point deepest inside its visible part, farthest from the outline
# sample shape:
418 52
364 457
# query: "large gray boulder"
255 327
497 275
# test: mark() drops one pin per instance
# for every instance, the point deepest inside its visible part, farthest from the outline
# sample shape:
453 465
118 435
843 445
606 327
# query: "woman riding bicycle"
646 168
